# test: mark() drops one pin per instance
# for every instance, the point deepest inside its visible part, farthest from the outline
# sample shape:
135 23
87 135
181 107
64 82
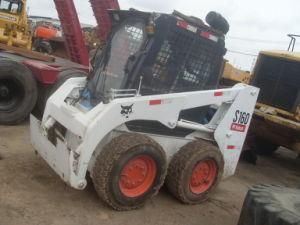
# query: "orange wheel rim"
203 176
137 176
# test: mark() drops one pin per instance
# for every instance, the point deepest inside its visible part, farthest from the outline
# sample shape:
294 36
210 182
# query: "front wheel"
129 170
195 171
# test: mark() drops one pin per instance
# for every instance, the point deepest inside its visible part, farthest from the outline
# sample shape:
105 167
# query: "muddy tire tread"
179 163
107 159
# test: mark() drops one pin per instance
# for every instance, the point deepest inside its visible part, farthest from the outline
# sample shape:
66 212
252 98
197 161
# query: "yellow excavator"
276 121
14 27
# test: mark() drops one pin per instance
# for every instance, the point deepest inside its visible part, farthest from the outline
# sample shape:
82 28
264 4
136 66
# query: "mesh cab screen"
181 60
126 41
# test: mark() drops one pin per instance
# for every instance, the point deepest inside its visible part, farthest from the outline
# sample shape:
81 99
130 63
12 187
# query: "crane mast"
70 24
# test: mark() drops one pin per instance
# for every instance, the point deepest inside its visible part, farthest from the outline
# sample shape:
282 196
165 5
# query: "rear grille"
279 81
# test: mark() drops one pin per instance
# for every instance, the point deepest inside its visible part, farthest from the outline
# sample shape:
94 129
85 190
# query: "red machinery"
46 32
100 11
28 80
48 39
72 31
71 26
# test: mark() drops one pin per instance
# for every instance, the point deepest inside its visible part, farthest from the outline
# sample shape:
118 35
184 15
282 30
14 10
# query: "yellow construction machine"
232 75
276 121
277 115
14 27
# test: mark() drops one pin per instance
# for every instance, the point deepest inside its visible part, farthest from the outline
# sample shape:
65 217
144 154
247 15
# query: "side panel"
57 156
232 130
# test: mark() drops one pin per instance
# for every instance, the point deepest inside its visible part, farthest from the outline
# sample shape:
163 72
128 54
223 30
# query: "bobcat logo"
126 110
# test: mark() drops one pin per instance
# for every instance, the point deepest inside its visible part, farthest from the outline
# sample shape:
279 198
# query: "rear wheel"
195 171
18 92
129 170
63 76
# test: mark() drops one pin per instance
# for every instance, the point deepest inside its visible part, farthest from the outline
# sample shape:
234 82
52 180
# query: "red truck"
28 78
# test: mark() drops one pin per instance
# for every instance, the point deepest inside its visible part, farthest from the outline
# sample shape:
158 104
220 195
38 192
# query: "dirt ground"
31 193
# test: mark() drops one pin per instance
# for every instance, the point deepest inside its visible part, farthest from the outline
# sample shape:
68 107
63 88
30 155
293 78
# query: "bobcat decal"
126 110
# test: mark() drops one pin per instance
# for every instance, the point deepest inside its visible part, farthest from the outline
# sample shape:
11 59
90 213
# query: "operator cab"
153 53
11 6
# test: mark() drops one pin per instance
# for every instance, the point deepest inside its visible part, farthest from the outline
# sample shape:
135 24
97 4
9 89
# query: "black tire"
46 92
271 205
264 147
18 92
217 21
181 167
111 162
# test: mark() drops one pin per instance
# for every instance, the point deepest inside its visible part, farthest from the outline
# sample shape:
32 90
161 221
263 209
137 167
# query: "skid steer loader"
149 110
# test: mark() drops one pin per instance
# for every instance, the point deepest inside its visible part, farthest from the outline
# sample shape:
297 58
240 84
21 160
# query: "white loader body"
70 147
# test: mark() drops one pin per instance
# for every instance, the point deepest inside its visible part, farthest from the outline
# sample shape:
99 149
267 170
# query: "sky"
255 25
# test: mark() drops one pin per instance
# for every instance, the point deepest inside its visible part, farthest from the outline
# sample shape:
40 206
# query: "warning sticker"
238 127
